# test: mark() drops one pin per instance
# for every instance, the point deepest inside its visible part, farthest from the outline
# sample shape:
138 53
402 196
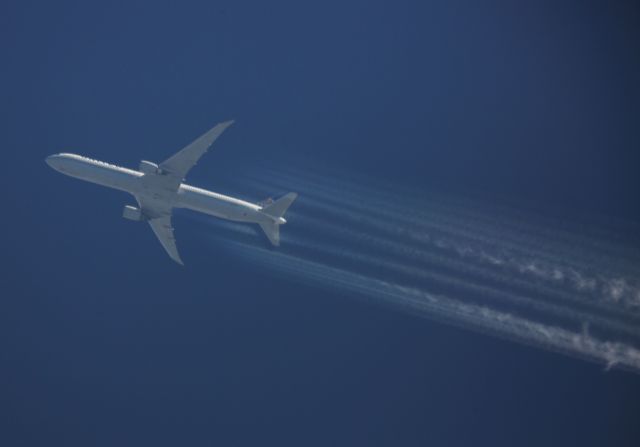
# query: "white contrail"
419 211
472 316
435 222
610 289
490 213
466 220
615 288
411 256
460 280
464 285
507 288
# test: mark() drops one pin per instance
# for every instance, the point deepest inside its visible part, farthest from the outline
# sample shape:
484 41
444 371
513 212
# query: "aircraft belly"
215 206
119 180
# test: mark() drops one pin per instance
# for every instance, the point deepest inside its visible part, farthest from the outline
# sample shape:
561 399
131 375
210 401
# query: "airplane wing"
179 165
161 226
159 218
174 170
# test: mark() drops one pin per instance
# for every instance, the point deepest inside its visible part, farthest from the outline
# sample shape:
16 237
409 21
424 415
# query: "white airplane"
159 189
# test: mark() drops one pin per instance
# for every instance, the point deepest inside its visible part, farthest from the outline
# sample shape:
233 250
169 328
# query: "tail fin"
280 206
276 210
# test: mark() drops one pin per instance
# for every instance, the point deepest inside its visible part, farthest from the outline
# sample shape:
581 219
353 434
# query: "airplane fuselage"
186 196
159 189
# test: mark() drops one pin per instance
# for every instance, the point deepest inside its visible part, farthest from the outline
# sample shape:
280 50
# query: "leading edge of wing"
180 163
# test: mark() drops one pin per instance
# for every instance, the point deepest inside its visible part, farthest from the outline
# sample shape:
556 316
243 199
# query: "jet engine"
148 167
133 213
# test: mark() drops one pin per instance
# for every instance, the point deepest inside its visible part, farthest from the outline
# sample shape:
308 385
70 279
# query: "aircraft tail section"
275 210
272 230
280 206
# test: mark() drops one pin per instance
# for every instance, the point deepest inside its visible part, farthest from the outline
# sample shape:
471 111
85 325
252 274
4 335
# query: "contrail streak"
467 315
615 288
411 257
465 216
523 280
470 288
461 280
429 222
494 215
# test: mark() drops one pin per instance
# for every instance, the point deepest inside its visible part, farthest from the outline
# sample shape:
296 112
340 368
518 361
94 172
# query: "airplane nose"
50 160
53 161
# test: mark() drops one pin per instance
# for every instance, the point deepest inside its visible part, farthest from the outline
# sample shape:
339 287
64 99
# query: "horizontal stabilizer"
272 230
280 206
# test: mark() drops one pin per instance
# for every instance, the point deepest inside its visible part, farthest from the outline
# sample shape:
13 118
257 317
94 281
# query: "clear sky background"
104 341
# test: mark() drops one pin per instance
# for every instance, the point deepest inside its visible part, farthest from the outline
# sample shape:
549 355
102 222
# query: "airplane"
159 188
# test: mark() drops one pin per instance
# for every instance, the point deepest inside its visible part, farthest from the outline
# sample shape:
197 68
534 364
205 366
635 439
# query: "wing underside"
172 172
179 164
158 215
161 226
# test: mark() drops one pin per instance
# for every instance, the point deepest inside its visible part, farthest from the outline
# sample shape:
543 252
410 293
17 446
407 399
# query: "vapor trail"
495 216
471 316
535 263
454 265
403 207
408 266
420 262
492 294
432 222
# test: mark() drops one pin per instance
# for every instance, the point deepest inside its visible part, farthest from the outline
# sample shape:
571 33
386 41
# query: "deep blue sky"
104 341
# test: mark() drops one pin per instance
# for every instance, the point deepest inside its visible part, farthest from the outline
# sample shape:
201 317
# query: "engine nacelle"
148 167
133 213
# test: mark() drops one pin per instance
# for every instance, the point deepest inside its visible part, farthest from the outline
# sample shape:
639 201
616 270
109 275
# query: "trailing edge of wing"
161 226
179 164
